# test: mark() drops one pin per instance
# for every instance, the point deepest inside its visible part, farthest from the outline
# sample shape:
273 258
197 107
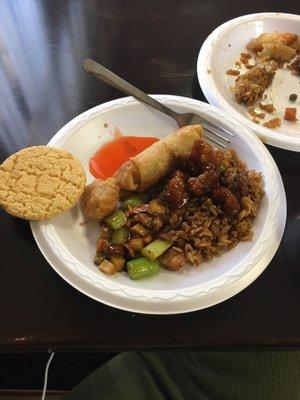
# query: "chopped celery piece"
141 267
119 236
116 220
131 202
156 248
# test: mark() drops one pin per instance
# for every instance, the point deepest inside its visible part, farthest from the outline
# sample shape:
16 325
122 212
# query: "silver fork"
212 132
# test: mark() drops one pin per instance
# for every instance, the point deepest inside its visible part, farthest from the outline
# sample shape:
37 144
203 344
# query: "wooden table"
153 44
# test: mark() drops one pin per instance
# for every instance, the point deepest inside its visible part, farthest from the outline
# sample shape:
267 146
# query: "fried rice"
203 230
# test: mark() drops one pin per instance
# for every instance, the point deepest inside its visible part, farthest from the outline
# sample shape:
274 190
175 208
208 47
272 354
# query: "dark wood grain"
31 394
154 45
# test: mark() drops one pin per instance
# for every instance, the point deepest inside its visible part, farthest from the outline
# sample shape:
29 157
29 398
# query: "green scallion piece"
222 168
116 220
156 248
99 257
131 202
119 236
142 267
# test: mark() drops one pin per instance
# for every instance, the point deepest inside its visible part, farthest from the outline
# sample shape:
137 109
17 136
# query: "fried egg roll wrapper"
152 164
182 141
127 176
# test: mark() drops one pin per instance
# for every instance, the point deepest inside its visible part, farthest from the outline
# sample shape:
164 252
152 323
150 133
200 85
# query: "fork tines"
213 131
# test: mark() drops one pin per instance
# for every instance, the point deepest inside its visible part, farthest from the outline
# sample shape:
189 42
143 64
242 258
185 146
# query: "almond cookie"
39 182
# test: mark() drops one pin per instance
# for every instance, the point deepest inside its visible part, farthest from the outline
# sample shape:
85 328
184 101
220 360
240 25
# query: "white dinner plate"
218 54
69 246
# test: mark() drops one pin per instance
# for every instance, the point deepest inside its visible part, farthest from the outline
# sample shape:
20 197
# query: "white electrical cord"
46 376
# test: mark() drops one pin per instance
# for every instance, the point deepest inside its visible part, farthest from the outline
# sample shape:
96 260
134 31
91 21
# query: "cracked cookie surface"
39 182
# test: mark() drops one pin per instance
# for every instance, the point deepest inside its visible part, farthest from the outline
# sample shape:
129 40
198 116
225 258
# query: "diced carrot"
290 114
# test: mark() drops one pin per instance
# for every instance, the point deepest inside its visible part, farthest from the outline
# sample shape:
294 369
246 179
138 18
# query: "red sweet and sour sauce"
113 154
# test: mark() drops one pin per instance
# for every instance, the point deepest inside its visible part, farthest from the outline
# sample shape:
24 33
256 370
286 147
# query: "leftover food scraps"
269 52
290 114
273 123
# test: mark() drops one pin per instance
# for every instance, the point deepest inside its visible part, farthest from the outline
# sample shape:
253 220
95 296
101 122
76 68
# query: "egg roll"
127 176
148 167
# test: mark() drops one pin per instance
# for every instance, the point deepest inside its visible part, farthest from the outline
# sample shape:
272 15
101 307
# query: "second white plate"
218 54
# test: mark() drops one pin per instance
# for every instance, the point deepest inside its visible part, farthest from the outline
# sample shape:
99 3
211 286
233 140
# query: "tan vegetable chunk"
136 244
118 262
173 259
139 229
107 267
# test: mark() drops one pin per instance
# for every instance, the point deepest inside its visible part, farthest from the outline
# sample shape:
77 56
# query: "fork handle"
105 75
